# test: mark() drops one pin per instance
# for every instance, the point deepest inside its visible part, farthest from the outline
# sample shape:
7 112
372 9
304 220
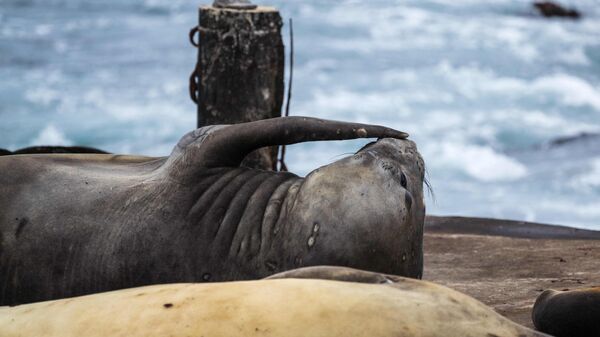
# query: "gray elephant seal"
314 302
80 224
574 313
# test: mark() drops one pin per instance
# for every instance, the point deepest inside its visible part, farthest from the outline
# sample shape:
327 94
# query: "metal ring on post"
193 84
192 34
194 87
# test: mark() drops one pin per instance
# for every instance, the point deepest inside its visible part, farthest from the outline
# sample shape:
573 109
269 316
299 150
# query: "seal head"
365 211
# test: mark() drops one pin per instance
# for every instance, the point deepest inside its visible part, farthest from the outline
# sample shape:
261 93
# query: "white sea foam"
481 163
52 136
342 101
574 91
478 85
473 81
589 210
589 179
42 95
575 56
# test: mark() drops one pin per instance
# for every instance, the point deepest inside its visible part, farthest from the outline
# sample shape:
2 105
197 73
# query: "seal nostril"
408 200
403 181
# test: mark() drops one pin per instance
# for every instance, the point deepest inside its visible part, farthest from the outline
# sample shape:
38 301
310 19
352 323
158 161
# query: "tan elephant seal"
574 313
343 303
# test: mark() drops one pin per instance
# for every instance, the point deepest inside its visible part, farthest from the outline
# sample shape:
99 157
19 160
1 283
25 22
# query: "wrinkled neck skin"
236 213
365 211
240 212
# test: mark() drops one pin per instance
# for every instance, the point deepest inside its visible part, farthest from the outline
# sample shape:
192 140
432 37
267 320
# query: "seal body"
574 313
340 303
80 224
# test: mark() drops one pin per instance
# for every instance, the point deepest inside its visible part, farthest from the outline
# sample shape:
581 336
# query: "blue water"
483 87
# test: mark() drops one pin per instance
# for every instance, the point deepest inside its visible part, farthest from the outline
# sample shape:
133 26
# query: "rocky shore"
507 264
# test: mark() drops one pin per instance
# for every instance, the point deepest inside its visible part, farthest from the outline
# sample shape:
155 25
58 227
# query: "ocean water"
503 104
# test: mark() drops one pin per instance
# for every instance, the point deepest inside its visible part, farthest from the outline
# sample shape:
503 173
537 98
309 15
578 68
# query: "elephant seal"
80 224
320 301
574 313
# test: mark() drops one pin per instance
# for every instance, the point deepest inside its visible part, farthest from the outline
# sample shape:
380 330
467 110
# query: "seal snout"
408 200
403 181
397 156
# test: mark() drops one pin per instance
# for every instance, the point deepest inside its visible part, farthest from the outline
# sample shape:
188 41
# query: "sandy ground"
507 264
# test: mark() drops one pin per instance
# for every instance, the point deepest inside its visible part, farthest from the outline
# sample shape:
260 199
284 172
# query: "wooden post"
240 69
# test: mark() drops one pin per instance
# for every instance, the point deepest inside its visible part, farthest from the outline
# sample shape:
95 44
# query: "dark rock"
572 139
52 149
551 9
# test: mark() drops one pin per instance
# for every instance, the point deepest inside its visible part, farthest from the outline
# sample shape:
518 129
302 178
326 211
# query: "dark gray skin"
574 313
80 224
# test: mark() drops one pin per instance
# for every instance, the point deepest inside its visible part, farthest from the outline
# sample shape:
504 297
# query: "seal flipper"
228 145
342 274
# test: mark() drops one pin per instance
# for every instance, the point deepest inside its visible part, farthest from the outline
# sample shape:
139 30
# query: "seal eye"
403 181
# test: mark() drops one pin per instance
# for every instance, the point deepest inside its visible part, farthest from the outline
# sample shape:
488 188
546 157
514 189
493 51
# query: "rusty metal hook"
194 85
192 34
